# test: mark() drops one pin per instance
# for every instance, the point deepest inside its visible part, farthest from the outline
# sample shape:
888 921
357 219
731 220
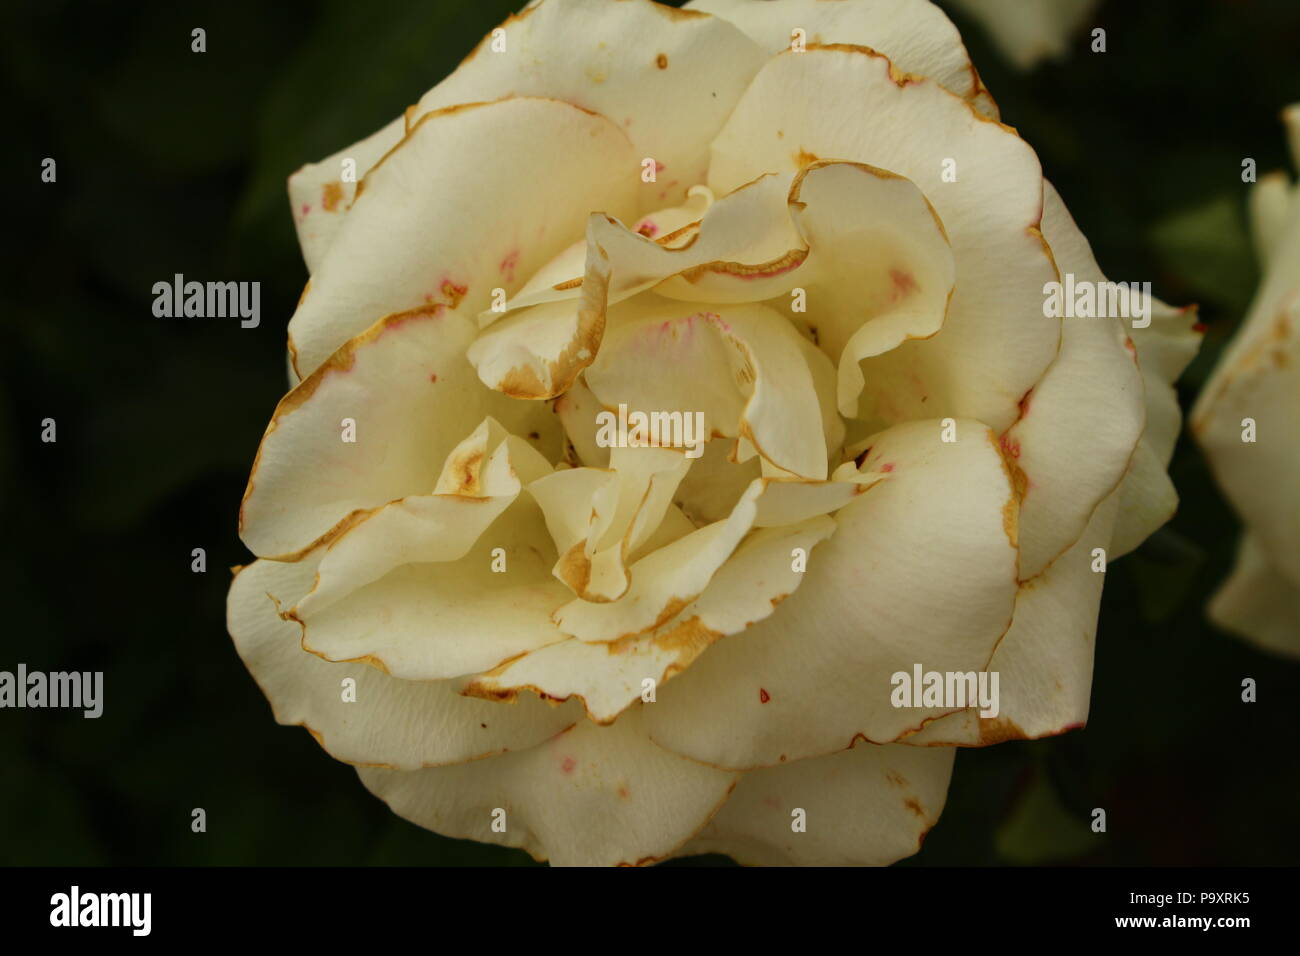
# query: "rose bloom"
1257 462
834 253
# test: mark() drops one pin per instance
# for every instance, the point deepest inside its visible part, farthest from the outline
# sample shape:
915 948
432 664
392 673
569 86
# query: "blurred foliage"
174 162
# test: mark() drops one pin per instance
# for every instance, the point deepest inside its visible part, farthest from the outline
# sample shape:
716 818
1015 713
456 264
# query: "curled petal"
985 184
625 61
409 395
464 204
434 621
1079 426
608 678
481 478
598 518
383 721
739 366
669 579
922 570
881 272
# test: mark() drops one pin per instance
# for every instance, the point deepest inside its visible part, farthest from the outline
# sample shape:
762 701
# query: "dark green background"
170 161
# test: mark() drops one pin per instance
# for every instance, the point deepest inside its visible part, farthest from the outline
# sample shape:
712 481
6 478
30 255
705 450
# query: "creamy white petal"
1079 425
921 571
915 34
625 61
868 806
1257 603
434 621
1044 662
410 397
610 677
982 179
320 194
354 711
466 203
591 796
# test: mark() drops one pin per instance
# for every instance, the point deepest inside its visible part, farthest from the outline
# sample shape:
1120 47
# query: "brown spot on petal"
1011 521
997 730
677 13
331 195
661 61
1008 452
452 292
904 284
763 696
763 270
574 569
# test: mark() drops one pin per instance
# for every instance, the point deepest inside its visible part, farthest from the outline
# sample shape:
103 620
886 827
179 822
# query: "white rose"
616 655
1247 420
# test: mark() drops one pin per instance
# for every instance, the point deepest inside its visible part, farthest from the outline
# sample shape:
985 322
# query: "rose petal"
577 409
626 62
466 201
1262 478
320 195
1258 603
739 366
609 678
1080 424
592 796
915 34
480 479
867 806
879 254
411 395
393 723
435 621
1044 663
598 518
921 571
995 343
